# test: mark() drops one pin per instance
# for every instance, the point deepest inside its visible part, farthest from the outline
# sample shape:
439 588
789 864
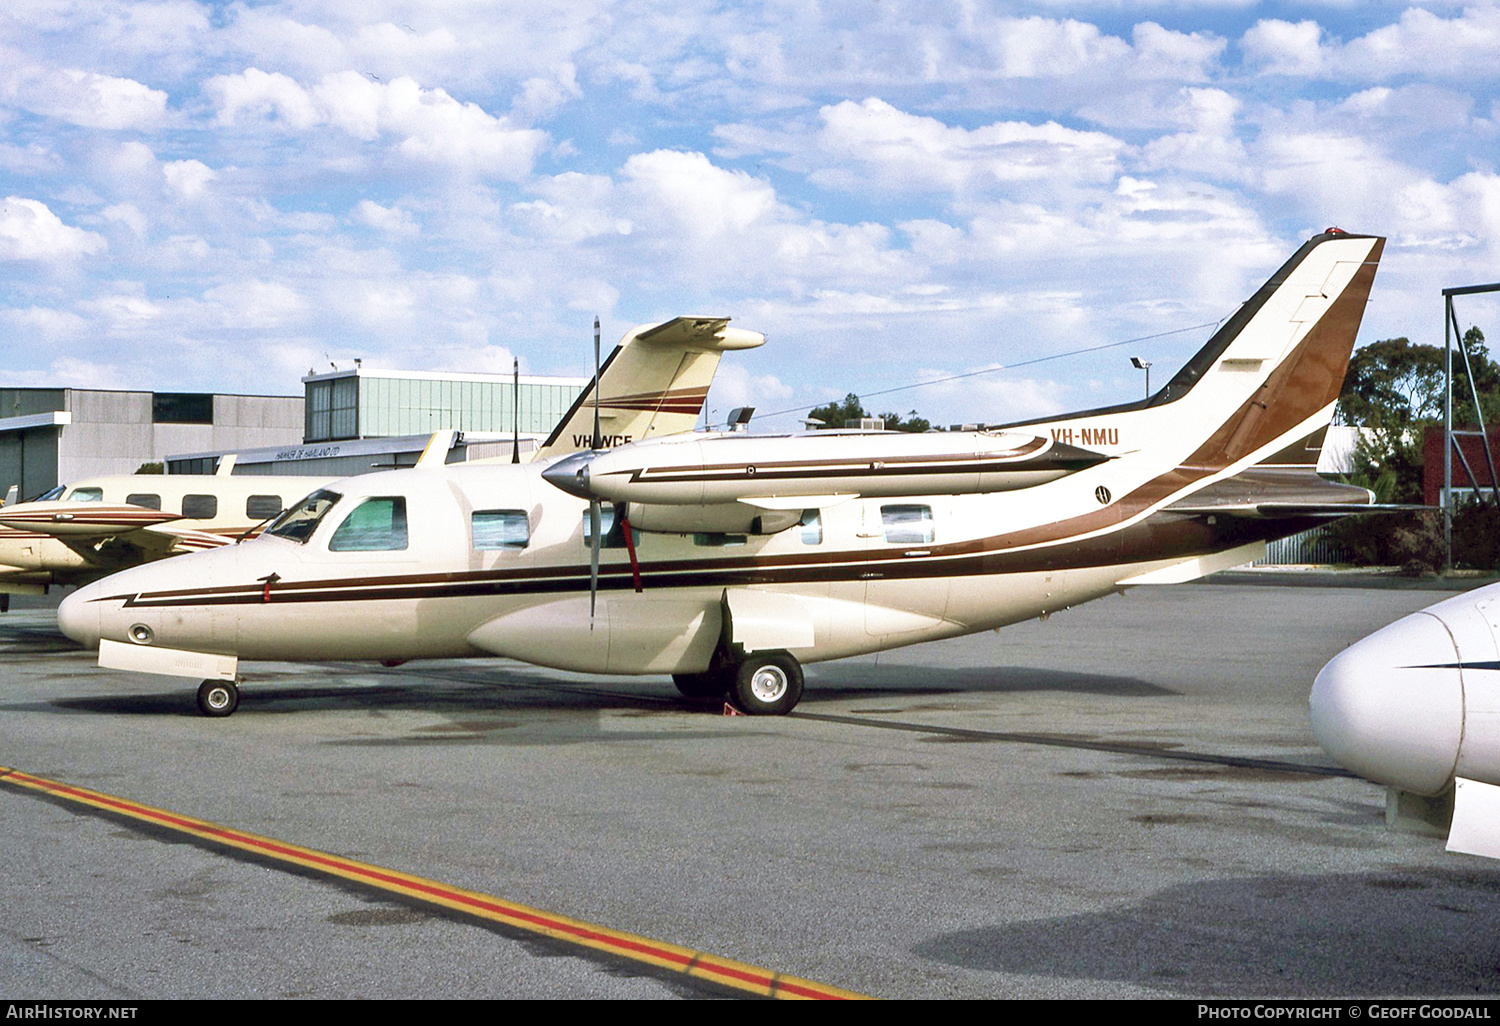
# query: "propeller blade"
598 437
515 410
595 541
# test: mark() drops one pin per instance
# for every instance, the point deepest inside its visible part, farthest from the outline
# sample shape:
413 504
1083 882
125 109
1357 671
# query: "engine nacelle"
1417 703
719 518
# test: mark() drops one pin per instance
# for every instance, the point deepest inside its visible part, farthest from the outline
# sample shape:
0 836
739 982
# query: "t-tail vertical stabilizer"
653 384
1263 388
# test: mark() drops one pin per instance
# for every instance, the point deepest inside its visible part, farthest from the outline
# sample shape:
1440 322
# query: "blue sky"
223 196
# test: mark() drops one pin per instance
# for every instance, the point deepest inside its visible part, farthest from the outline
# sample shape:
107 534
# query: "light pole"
1145 365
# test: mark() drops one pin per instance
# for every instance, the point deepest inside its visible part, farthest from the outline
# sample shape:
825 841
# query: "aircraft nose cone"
571 474
1390 707
78 616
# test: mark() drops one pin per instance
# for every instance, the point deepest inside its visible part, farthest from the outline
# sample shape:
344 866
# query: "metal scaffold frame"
1450 435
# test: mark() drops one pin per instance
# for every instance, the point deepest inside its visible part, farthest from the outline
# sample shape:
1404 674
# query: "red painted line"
725 971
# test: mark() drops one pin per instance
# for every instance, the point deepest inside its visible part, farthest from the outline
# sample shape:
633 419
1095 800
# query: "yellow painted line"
723 971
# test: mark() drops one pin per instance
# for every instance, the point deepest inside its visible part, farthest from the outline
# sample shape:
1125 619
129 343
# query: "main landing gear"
218 697
759 683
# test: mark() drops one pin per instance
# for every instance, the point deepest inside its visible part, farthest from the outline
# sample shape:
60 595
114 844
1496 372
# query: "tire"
768 684
218 697
702 685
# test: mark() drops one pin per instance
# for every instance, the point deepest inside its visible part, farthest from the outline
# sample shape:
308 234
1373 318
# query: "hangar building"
49 436
360 420
346 422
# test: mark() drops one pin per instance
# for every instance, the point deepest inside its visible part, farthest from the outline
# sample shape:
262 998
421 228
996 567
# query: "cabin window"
719 540
614 535
262 507
812 527
907 525
86 495
200 507
375 525
500 529
146 500
298 522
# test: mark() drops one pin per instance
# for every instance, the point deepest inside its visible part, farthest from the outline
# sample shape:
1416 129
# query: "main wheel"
218 697
702 685
768 684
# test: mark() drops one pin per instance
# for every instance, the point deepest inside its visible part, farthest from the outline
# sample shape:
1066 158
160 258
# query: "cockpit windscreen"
300 520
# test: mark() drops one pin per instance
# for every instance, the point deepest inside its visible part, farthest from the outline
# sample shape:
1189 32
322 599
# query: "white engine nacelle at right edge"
1416 706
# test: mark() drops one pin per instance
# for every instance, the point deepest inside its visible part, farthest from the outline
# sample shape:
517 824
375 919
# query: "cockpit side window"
378 524
299 521
86 495
500 529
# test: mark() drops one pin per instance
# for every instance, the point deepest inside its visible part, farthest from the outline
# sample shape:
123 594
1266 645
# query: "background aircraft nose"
1391 707
78 616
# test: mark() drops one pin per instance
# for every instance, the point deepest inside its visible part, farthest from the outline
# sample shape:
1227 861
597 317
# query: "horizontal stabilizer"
1293 510
700 333
1277 493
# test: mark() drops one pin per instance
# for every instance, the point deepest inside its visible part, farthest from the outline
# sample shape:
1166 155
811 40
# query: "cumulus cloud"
261 305
1420 42
43 322
902 151
1285 48
392 220
702 201
85 98
188 178
429 125
29 230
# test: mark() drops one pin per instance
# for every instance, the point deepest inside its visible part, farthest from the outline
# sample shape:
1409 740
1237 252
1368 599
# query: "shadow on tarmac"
1398 932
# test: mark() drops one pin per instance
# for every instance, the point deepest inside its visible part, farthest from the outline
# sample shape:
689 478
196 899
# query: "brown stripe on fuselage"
1163 536
1031 446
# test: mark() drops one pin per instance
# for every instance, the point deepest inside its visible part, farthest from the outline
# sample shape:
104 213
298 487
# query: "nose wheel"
218 697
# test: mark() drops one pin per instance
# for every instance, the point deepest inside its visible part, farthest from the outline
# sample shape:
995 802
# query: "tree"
912 422
836 415
1393 392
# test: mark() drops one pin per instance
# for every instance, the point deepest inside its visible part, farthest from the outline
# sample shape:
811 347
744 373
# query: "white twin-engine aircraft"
728 559
654 383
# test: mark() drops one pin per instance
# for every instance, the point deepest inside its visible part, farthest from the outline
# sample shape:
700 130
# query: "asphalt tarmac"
1122 801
